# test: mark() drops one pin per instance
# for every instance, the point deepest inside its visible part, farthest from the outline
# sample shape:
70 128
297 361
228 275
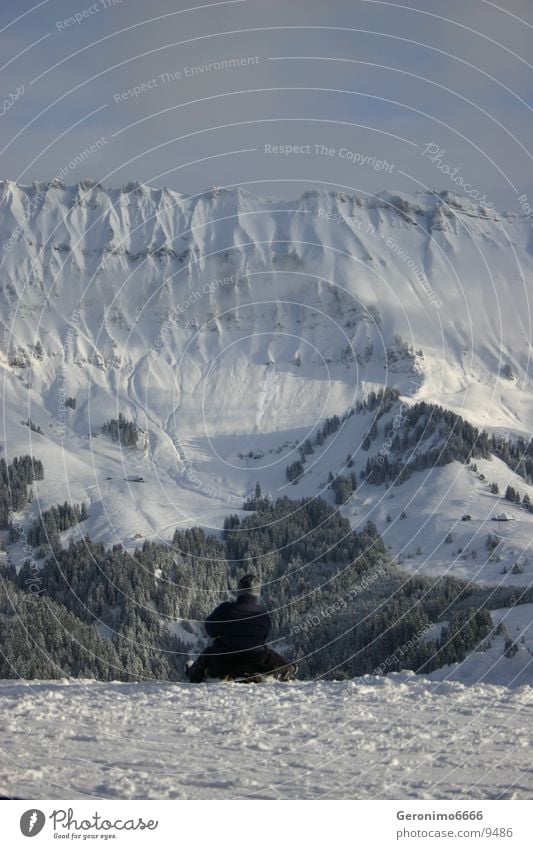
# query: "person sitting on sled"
239 630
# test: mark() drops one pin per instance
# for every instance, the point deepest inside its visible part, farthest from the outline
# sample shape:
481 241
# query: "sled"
247 675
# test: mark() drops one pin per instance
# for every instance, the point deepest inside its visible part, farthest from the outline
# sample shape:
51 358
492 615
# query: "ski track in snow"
373 738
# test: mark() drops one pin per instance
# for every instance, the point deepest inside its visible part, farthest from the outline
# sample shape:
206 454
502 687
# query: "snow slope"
434 502
373 738
490 665
174 300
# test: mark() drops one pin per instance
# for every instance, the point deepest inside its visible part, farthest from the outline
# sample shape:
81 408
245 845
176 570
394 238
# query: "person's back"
239 630
240 625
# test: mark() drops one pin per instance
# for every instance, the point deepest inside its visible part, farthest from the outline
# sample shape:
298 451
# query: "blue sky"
375 82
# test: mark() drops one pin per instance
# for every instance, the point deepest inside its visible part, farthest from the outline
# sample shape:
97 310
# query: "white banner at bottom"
225 824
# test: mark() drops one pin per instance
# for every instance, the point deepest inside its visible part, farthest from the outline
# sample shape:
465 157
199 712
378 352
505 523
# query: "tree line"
340 608
15 480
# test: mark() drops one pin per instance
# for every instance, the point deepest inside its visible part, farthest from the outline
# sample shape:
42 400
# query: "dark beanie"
249 585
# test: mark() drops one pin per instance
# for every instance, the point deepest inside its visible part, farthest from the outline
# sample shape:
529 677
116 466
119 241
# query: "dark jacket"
239 625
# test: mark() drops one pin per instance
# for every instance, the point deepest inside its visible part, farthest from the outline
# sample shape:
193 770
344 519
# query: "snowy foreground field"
381 738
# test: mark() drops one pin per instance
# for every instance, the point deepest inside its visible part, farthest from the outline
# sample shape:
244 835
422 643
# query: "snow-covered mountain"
158 289
228 326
